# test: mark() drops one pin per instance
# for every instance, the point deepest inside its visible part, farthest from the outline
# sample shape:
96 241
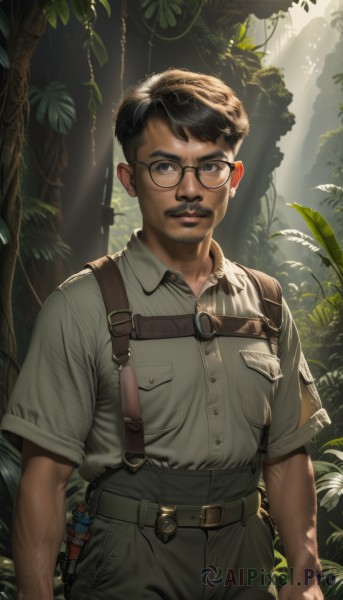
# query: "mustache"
188 207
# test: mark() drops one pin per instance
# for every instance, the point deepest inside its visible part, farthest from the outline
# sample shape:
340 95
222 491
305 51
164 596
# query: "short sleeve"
53 400
297 413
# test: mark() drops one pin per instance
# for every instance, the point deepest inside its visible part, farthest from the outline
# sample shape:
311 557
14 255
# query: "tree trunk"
27 24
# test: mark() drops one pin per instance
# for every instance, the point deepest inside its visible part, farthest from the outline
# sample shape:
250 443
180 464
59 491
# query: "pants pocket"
96 566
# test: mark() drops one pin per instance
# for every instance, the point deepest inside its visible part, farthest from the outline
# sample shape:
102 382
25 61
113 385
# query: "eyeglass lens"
168 173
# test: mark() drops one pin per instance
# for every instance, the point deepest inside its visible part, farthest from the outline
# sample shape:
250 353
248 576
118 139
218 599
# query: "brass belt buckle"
212 515
166 523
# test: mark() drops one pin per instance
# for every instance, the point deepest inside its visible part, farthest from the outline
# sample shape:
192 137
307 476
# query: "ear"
236 176
126 178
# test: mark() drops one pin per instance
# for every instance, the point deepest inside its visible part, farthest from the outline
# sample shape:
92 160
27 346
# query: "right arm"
39 521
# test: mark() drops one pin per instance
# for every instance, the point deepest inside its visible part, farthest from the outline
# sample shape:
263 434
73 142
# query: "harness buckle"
212 515
201 332
268 326
113 323
134 460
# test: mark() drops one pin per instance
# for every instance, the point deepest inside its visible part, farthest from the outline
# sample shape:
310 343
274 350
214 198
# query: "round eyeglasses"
168 173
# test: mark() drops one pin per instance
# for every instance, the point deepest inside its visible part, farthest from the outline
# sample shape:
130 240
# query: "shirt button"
172 277
215 411
213 379
151 380
208 350
218 441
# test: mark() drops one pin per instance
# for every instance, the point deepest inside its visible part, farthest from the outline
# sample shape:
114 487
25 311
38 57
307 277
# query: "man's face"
188 212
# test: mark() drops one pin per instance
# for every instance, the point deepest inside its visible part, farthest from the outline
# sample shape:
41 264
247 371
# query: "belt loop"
142 513
94 498
244 519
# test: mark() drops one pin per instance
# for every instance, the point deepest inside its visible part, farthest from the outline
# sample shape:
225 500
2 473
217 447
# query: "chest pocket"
259 381
159 411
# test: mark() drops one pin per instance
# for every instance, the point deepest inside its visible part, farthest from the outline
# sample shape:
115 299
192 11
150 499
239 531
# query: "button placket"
213 365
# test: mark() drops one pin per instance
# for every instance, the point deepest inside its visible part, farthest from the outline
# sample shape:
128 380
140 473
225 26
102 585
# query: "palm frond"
294 235
321 467
336 537
333 573
37 211
43 245
332 484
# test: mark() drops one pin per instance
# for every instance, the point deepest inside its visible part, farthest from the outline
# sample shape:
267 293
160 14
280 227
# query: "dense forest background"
64 65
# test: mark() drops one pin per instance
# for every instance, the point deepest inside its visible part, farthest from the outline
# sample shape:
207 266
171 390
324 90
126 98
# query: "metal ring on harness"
205 335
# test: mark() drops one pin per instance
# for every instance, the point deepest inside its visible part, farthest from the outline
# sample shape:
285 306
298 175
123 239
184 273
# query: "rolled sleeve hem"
301 436
14 429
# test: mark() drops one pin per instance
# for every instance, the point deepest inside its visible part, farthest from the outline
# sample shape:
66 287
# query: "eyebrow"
176 157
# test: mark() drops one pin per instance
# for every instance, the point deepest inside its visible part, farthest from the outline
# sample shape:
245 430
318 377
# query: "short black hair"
201 104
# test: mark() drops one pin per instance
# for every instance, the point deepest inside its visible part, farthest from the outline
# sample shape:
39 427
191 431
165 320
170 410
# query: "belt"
144 513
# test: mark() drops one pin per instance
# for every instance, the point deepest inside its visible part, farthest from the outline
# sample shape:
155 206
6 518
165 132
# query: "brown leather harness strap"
203 325
118 310
270 294
119 318
123 326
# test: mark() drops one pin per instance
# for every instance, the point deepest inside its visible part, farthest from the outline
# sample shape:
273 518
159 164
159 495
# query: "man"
207 400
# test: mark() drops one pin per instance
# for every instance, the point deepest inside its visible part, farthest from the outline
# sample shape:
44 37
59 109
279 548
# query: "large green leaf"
57 9
54 105
165 11
323 233
337 442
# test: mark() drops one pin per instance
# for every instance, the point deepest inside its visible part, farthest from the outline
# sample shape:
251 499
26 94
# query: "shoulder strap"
269 290
117 306
270 293
119 318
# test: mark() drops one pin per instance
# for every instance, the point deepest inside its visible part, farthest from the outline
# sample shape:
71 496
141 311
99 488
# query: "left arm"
291 493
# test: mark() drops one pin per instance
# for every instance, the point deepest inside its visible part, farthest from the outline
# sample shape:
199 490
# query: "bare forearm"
291 493
39 520
37 534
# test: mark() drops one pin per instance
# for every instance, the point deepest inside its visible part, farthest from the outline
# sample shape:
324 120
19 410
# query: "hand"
293 592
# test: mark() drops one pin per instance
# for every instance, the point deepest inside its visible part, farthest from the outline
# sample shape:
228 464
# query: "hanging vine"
122 44
86 12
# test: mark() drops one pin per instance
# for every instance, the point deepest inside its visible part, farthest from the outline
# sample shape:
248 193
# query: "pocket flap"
151 375
266 364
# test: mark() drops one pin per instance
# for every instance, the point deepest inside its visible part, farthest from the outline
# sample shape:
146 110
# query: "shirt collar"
224 269
150 271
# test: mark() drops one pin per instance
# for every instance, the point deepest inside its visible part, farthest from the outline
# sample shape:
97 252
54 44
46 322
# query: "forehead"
158 136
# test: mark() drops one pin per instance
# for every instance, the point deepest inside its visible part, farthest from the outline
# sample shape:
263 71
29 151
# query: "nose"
189 188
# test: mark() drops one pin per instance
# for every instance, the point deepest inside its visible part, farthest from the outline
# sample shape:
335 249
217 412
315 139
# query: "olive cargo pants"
127 561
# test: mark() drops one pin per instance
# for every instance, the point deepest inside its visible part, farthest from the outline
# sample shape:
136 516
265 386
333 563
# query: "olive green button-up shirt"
204 402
